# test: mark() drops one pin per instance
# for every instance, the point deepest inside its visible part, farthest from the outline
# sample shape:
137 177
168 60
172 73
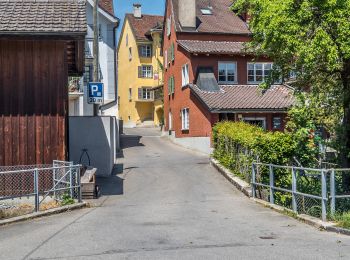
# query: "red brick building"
210 77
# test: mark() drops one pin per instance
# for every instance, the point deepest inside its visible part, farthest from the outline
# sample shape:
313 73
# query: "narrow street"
168 203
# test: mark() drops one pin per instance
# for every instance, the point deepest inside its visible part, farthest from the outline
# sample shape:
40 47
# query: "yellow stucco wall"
133 111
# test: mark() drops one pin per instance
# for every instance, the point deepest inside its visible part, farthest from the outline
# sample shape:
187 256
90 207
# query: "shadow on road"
128 141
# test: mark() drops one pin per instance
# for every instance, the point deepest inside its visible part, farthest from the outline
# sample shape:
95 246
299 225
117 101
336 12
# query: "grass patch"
343 220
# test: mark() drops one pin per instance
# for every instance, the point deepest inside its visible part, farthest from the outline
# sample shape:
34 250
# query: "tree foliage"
311 38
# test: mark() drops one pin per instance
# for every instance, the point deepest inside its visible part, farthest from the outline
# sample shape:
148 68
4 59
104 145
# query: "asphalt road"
169 203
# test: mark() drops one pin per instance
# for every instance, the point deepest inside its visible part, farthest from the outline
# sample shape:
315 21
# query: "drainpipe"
115 101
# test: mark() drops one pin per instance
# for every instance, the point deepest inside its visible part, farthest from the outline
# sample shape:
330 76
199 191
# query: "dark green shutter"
140 71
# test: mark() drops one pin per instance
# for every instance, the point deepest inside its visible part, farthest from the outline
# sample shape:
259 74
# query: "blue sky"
148 7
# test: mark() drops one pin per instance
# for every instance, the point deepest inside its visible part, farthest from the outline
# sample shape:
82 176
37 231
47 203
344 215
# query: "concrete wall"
199 144
99 135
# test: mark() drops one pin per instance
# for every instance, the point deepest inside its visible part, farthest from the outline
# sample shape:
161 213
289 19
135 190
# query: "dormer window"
206 11
227 72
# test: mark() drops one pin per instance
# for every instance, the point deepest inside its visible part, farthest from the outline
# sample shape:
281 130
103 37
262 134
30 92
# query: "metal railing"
35 185
315 192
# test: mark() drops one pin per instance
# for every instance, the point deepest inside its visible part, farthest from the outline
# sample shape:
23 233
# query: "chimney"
137 11
187 13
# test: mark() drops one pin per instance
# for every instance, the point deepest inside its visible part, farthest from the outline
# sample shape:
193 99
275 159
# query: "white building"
108 24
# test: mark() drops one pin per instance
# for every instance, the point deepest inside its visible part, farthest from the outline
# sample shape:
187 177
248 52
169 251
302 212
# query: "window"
87 74
185 119
130 54
170 118
130 94
277 123
127 40
166 59
227 72
145 71
145 51
185 76
171 85
145 94
257 121
258 72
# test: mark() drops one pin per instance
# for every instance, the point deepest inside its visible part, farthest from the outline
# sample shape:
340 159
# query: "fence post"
294 190
253 180
272 184
54 182
324 194
332 191
36 189
79 184
71 181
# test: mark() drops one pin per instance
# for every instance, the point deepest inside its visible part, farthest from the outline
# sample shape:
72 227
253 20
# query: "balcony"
75 87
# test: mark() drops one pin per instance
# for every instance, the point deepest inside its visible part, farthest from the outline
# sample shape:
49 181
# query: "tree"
311 38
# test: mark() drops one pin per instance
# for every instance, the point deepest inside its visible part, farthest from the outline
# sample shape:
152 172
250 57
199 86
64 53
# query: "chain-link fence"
315 192
28 188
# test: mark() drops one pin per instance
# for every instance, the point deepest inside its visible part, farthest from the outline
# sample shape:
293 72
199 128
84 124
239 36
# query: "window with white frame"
185 118
170 119
146 51
257 121
258 72
185 75
145 71
168 26
146 94
227 72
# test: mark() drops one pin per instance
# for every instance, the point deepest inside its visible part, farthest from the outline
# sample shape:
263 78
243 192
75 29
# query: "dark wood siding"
33 101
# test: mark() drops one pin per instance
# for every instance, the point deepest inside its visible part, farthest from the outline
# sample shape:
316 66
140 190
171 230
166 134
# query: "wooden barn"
41 45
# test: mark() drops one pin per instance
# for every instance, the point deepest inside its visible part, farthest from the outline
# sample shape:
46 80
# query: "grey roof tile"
212 47
246 97
43 16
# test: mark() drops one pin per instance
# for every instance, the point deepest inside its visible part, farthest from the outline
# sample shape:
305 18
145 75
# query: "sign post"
95 93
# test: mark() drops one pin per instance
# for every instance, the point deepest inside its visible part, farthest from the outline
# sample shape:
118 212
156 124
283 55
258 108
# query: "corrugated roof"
142 26
222 20
246 97
212 47
43 16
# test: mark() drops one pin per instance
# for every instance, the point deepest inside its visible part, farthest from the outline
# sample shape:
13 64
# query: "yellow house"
140 75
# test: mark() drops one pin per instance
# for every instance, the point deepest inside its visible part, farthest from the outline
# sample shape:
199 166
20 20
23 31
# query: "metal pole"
36 189
96 50
294 190
324 195
332 191
54 182
71 182
253 180
272 184
79 184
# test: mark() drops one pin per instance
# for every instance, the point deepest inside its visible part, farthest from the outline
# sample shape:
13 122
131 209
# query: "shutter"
139 47
172 52
169 86
151 71
151 50
172 85
140 93
140 71
152 94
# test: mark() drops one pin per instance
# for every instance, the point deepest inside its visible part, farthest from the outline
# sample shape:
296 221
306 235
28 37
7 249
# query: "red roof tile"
107 5
246 97
141 26
222 20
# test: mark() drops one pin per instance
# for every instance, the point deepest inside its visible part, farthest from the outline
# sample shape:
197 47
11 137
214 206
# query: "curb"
245 188
43 213
237 182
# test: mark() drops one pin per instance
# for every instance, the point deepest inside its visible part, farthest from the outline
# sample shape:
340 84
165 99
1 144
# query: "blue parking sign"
95 93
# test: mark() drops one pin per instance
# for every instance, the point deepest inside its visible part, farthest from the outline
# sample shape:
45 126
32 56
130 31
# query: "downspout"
115 101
